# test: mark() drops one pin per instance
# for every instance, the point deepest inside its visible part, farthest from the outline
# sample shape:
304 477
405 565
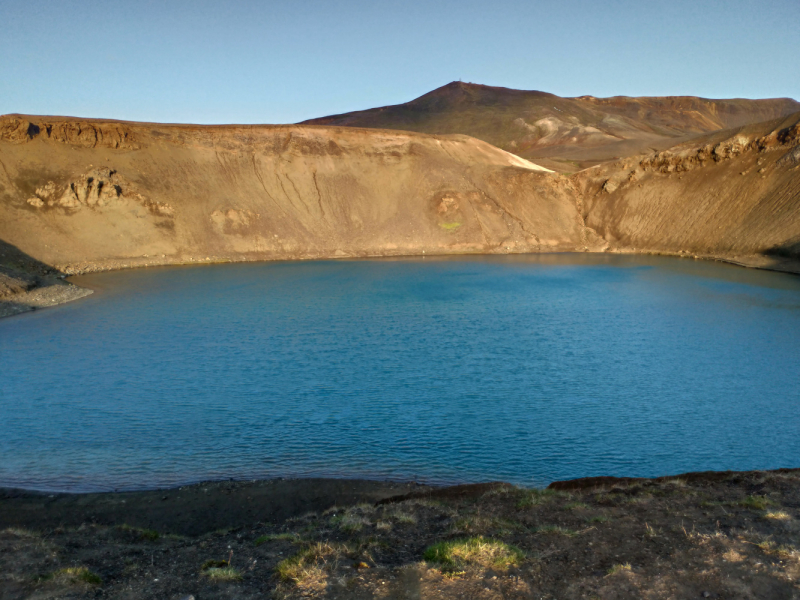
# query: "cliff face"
86 195
731 194
80 195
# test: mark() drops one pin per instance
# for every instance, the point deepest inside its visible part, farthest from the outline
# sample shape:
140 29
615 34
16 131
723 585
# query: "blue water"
525 369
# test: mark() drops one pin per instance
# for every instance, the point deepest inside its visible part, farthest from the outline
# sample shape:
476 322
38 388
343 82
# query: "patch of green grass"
276 537
223 574
455 555
76 574
450 226
619 569
598 519
576 506
755 502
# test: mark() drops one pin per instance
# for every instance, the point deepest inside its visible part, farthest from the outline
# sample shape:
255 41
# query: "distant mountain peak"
567 133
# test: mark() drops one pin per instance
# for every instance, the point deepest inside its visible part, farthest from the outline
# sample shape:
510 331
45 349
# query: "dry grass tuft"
306 567
223 574
778 515
400 516
781 551
455 555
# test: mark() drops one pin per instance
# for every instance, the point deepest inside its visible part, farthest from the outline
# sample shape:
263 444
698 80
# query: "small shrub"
456 554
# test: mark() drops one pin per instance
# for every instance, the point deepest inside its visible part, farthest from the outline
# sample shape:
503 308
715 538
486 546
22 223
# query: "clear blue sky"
284 61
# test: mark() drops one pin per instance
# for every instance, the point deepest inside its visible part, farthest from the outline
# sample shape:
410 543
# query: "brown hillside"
81 195
731 193
564 133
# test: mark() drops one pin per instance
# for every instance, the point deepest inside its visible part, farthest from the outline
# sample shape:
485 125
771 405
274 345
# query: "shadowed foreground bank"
714 535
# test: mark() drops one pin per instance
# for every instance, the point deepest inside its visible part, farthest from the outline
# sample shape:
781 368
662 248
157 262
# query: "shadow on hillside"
14 259
786 250
20 273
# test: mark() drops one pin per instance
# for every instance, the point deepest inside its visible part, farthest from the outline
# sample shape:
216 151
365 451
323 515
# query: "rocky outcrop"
735 193
16 130
85 134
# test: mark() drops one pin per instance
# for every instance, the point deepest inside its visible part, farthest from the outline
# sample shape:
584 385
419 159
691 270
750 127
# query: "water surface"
525 369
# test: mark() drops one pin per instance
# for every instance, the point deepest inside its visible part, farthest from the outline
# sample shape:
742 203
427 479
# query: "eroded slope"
81 195
734 194
78 196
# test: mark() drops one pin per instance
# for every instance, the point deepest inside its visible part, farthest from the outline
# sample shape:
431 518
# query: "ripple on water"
525 369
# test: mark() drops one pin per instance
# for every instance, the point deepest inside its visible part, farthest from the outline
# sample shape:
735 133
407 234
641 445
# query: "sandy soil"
707 535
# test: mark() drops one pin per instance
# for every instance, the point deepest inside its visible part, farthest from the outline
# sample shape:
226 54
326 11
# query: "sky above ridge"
284 61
